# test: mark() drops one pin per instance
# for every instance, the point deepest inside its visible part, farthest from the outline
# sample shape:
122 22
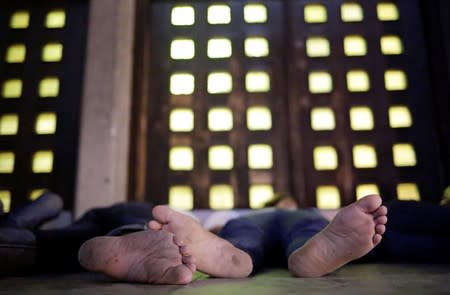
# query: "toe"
188 260
155 225
178 241
376 239
180 275
369 203
382 210
380 229
381 219
185 250
192 267
161 213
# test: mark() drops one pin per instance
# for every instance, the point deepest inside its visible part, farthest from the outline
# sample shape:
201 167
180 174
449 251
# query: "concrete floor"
351 279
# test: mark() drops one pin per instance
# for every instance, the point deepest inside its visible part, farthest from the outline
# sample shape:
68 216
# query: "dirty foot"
213 255
355 230
145 257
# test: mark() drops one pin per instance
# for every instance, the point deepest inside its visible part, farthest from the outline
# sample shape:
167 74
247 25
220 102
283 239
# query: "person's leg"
418 232
17 241
354 231
34 213
258 235
212 254
418 218
57 249
412 248
299 226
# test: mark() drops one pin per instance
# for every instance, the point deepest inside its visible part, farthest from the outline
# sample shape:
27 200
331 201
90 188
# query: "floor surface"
351 279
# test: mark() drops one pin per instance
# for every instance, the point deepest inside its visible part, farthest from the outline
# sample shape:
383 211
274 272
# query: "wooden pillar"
105 119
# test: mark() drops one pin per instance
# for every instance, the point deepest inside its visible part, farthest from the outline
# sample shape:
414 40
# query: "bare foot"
354 231
144 257
213 255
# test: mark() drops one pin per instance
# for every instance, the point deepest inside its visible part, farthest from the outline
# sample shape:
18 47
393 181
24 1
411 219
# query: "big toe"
180 275
370 203
161 213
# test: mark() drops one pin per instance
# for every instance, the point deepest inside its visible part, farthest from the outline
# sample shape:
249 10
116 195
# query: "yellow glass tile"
259 118
391 45
320 82
400 117
36 193
42 162
361 118
351 12
52 52
364 156
9 124
16 53
255 13
358 81
20 19
256 81
220 157
315 13
322 119
182 49
182 84
7 160
181 120
45 123
395 80
328 197
363 190
5 198
219 48
49 87
317 47
55 19
181 158
408 192
325 158
387 11
259 195
256 47
355 45
219 14
181 197
221 197
220 119
404 155
12 88
220 82
260 156
182 16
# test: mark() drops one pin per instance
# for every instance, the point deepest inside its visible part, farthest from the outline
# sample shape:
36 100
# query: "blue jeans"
416 232
270 237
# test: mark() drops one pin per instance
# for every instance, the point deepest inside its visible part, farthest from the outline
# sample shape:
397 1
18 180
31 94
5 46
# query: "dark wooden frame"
67 105
436 14
436 21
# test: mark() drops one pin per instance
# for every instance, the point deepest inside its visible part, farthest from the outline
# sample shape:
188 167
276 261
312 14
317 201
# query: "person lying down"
175 245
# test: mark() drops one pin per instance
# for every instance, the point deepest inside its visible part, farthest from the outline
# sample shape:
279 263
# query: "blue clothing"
270 237
416 232
57 249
